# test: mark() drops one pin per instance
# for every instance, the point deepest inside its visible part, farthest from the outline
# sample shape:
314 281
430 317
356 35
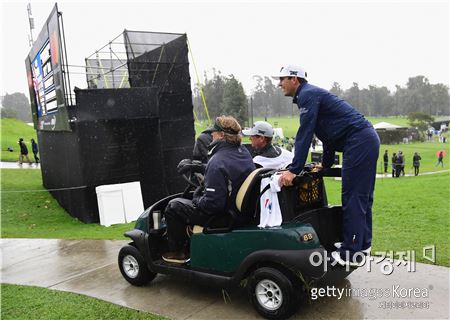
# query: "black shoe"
176 257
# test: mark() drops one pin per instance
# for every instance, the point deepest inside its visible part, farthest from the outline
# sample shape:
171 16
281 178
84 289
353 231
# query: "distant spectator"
401 162
34 148
398 165
416 163
23 152
394 161
429 134
386 160
440 158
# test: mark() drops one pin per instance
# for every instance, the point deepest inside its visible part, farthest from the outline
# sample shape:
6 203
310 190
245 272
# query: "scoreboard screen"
43 82
46 79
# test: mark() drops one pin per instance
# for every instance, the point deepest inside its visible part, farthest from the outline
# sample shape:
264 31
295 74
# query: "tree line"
225 95
419 95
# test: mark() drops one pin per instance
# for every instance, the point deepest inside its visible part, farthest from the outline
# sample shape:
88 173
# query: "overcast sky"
368 42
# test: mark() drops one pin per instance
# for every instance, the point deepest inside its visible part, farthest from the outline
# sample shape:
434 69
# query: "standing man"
340 128
34 148
266 154
23 152
401 161
394 164
385 160
229 164
416 163
440 158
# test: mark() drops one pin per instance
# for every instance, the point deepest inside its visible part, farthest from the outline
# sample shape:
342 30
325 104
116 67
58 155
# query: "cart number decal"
307 237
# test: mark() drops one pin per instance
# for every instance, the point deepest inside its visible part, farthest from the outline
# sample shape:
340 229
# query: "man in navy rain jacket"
228 166
340 128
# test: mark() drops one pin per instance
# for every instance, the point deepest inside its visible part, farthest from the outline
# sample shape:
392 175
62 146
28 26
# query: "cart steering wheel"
192 172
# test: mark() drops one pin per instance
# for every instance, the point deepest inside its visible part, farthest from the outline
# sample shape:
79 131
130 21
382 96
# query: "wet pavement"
16 165
389 175
89 267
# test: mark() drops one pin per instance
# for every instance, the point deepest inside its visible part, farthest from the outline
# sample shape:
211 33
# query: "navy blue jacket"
34 147
227 168
329 117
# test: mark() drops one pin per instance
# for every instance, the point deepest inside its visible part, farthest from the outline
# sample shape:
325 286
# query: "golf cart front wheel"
272 293
133 268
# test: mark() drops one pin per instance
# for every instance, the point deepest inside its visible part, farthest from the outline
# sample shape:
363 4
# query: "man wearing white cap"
341 128
267 155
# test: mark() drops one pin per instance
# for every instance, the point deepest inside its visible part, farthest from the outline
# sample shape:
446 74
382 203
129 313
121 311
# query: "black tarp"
122 135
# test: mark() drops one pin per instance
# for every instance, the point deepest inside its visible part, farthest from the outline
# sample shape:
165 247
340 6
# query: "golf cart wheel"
272 293
133 268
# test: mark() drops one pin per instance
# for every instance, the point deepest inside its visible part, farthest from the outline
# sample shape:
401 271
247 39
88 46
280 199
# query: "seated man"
228 166
267 155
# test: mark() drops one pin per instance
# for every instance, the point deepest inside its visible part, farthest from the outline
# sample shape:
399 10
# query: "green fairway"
12 130
27 303
290 123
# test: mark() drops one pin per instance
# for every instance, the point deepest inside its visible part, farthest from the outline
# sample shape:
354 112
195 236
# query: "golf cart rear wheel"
133 268
272 293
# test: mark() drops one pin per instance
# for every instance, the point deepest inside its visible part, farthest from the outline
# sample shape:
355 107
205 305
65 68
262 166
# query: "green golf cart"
278 264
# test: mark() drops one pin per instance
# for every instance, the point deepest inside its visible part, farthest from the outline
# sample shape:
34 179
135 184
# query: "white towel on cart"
270 207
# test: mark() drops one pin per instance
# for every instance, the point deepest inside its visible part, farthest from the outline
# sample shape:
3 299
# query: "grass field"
12 130
409 212
29 211
28 303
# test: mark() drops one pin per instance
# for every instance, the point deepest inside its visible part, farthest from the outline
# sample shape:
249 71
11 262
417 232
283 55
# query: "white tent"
387 126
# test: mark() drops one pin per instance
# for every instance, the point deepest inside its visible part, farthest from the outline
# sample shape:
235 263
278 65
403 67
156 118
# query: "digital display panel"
43 82
46 78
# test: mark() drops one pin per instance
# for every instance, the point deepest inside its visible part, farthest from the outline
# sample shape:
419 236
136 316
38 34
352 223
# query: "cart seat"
247 198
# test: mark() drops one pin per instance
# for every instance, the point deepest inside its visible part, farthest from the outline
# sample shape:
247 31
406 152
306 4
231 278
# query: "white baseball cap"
290 71
260 128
